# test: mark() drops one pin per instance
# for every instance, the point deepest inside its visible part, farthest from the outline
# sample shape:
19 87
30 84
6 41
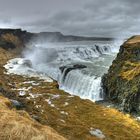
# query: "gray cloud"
78 17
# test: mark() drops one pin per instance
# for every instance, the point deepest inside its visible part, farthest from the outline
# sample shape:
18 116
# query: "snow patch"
62 120
38 106
23 88
34 95
22 66
63 112
97 132
22 93
53 96
49 102
66 104
71 96
31 82
138 118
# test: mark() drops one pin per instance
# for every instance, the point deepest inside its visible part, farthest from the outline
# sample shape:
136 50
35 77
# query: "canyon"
44 107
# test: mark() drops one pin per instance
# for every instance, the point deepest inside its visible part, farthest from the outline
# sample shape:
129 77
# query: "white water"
21 66
84 86
84 82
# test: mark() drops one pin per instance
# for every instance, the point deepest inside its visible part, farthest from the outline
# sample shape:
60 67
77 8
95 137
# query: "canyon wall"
122 82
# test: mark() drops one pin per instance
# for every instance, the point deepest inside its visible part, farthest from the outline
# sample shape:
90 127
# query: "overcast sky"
78 17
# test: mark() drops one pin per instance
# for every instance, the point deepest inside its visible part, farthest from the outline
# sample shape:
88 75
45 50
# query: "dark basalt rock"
98 49
23 35
75 66
69 68
79 66
7 45
122 82
17 104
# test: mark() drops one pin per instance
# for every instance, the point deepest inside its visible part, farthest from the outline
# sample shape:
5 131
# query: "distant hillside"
57 36
49 36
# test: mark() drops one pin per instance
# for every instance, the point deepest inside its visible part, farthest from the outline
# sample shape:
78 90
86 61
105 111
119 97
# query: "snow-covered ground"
22 66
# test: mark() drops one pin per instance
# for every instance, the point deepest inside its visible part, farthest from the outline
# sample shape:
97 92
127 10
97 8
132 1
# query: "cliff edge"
122 82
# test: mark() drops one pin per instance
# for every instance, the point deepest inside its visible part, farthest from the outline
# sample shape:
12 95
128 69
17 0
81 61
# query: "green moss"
122 81
130 70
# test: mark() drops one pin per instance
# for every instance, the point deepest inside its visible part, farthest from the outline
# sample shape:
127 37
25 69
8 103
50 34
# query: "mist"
40 53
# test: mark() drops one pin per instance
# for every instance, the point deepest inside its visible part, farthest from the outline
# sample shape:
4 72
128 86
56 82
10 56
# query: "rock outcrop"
21 34
122 82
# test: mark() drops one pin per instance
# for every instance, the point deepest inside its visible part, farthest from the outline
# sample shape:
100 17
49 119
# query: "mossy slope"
122 82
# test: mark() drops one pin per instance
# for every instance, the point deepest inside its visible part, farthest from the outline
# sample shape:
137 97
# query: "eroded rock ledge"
122 82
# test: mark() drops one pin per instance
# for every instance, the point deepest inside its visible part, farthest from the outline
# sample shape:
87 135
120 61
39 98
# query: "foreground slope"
18 125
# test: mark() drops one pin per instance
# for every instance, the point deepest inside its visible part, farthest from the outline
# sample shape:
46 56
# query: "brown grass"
134 39
12 39
5 56
19 126
82 114
132 72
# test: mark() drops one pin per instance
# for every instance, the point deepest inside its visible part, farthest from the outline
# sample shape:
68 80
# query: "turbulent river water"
77 66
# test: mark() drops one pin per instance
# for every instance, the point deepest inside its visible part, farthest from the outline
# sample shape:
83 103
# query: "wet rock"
71 67
67 69
6 45
98 49
16 104
36 118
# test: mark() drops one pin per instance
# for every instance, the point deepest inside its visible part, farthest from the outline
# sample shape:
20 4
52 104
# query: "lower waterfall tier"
77 66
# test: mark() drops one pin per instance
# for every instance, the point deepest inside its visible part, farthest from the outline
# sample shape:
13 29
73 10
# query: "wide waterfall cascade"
77 66
85 86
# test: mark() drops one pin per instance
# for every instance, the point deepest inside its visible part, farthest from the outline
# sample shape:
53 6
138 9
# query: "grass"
130 70
19 126
82 114
8 37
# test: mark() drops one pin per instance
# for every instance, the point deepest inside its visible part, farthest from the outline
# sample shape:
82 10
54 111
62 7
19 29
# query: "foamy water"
77 66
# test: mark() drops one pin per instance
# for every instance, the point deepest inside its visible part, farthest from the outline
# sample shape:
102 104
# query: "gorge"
29 72
77 66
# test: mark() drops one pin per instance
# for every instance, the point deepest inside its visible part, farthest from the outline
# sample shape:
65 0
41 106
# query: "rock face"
122 82
22 35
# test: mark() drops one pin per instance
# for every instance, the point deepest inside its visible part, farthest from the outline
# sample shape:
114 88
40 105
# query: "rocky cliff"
122 82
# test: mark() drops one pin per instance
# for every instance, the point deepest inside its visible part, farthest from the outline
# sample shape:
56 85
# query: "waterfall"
78 67
85 86
82 52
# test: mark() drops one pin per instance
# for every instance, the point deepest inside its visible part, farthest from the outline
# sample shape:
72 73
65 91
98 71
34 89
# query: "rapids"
77 66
